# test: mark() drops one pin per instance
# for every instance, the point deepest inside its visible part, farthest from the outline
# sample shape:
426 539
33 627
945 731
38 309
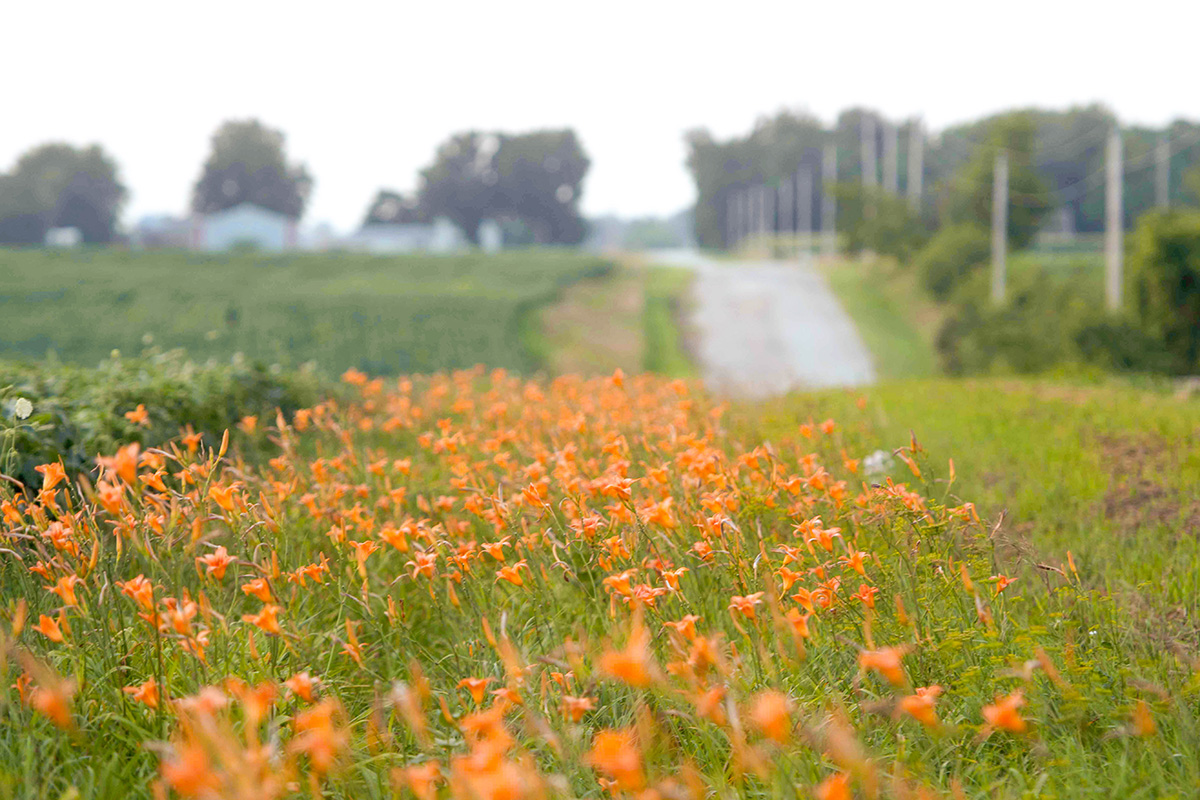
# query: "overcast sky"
365 90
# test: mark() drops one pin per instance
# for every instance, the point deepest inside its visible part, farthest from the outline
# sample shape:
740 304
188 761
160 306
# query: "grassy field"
632 319
899 321
474 587
1104 469
387 315
893 318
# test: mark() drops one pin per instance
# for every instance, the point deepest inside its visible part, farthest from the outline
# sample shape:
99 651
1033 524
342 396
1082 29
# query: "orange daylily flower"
266 619
52 474
1003 713
216 562
616 754
920 706
146 693
476 686
49 628
770 711
885 661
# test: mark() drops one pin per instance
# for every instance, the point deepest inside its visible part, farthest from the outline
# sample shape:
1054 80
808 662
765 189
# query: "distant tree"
57 185
460 184
393 208
967 196
540 182
535 178
248 164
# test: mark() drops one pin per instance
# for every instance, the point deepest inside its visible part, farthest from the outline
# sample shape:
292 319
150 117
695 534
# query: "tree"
248 164
540 182
460 184
1165 273
534 178
57 185
393 208
968 194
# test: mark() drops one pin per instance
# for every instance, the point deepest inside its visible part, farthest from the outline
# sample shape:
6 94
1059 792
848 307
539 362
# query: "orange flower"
65 589
799 622
140 590
920 706
189 771
145 693
302 684
745 605
867 595
52 474
835 787
421 779
855 562
886 662
1003 582
267 619
216 562
685 627
139 416
633 664
615 753
770 711
575 707
1143 720
49 628
222 495
476 686
52 699
1003 713
319 736
512 574
260 588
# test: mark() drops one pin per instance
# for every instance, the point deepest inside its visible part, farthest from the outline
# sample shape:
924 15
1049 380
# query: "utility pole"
804 210
768 195
891 158
1162 172
828 201
730 211
1113 221
786 207
999 226
870 170
916 164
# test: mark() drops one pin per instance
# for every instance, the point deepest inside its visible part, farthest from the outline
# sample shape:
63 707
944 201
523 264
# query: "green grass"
664 350
386 315
1106 470
883 308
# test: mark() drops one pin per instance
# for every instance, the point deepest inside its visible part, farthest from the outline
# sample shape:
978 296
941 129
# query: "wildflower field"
385 314
475 585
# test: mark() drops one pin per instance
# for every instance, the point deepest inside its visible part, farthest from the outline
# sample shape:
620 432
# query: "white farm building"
244 225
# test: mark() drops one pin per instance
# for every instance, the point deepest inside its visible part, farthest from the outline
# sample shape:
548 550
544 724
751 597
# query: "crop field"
474 585
387 315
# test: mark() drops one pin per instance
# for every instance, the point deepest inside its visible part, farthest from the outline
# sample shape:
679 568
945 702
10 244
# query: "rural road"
767 327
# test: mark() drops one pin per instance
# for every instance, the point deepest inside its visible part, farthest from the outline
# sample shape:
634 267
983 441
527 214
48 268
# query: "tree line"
531 183
1063 150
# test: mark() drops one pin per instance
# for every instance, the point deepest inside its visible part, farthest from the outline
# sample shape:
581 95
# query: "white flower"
878 463
22 408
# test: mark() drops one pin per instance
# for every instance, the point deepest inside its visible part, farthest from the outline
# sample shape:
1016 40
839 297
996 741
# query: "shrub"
1165 275
874 219
80 412
951 255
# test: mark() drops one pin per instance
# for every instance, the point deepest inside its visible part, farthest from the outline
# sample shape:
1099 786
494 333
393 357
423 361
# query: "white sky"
366 90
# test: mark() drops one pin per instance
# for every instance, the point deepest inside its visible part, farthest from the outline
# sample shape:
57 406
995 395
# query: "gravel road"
767 327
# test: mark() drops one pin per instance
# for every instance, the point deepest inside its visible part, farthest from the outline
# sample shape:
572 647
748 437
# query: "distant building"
440 236
244 225
161 232
64 237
